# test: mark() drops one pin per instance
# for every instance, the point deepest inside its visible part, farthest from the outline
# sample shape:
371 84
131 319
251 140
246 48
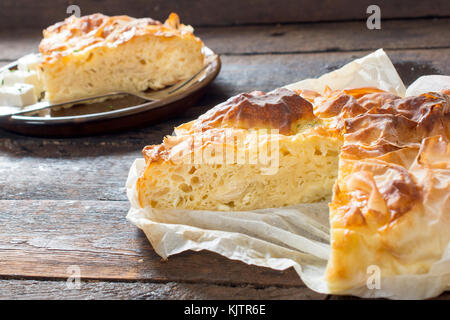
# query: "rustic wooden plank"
41 239
56 290
19 42
20 13
288 38
318 37
101 177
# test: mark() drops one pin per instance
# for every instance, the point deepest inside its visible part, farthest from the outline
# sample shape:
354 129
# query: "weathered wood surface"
288 38
63 202
32 289
23 13
41 239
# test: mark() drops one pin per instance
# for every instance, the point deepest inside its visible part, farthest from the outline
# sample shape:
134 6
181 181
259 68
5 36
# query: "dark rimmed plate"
116 114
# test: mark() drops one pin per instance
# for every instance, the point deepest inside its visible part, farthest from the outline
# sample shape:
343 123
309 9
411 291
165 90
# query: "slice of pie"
255 150
97 54
387 157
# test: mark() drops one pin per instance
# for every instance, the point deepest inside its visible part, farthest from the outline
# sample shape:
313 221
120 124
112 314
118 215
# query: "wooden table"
63 201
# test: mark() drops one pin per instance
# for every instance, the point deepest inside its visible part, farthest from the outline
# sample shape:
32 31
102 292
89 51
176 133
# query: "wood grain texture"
21 13
327 37
32 289
41 239
287 38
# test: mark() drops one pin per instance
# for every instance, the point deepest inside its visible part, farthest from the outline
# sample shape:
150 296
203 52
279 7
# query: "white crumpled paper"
428 83
280 238
373 70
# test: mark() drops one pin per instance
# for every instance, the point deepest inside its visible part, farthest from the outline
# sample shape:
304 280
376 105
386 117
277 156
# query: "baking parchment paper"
280 238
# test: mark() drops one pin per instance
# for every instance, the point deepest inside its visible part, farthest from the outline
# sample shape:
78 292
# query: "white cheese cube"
17 95
9 78
28 63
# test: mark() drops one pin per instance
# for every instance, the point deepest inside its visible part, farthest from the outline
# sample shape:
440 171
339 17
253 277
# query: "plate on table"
112 115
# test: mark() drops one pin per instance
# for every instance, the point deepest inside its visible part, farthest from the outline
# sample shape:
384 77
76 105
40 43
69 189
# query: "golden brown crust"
76 34
363 195
336 106
371 122
155 153
351 102
163 152
280 109
388 124
396 124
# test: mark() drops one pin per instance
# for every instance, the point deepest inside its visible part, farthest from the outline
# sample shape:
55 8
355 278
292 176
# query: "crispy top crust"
382 135
371 122
280 109
76 34
395 124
